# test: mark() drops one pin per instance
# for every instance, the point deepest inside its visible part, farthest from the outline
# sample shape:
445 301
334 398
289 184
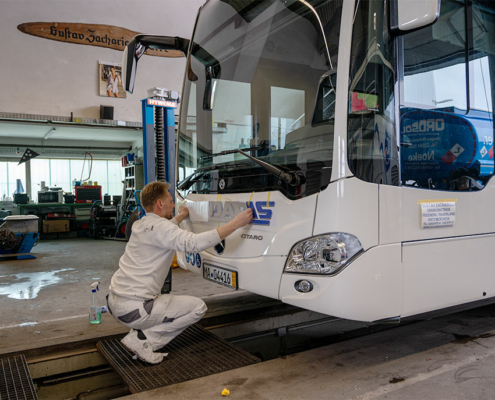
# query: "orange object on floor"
175 264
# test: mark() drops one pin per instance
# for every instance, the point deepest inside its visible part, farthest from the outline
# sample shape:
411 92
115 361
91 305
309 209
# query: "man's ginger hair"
152 192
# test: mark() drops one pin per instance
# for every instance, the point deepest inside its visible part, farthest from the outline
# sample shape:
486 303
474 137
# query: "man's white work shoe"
141 348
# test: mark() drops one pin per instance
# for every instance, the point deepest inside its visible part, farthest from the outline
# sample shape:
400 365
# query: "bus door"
447 158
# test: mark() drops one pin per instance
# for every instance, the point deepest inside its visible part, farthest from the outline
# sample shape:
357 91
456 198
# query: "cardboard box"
61 225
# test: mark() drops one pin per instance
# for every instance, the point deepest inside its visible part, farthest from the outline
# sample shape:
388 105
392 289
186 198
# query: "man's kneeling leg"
173 315
132 314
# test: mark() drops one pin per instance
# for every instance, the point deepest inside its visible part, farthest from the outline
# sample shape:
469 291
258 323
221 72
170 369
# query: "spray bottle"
94 308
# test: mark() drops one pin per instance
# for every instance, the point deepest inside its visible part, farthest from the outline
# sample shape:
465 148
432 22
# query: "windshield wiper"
183 185
226 152
290 177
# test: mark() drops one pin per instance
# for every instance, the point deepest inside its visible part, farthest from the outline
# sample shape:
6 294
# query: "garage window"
61 173
9 173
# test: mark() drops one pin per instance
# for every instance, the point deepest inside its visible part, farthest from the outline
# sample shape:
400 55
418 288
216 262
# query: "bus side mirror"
169 46
410 15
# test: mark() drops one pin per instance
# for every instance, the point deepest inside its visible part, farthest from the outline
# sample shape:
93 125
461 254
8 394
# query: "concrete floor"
447 358
57 284
44 302
47 299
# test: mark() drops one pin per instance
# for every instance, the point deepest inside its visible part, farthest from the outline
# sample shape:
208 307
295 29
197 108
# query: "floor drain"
15 379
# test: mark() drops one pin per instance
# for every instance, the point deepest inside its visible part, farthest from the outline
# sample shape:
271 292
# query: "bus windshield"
260 77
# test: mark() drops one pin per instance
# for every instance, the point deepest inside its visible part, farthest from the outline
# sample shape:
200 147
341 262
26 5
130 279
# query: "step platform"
193 354
15 379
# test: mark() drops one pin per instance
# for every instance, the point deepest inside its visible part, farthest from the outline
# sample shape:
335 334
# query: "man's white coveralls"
135 298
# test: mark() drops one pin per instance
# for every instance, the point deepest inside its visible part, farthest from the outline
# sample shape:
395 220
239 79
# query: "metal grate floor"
193 354
15 379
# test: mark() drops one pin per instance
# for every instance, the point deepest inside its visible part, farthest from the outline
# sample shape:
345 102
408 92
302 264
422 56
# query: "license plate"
222 276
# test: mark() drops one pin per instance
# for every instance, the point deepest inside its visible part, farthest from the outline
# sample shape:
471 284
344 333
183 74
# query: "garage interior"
74 157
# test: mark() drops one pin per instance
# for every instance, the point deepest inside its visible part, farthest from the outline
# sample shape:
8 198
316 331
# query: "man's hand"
184 211
243 218
182 215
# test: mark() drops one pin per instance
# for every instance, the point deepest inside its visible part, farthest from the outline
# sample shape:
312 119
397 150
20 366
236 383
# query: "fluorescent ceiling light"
50 133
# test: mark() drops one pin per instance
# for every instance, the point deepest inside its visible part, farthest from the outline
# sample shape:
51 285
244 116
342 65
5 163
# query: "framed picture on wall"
110 79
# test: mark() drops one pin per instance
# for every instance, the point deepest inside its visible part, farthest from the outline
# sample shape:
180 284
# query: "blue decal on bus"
261 211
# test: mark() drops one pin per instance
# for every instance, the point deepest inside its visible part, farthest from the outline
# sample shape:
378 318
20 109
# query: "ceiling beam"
67 147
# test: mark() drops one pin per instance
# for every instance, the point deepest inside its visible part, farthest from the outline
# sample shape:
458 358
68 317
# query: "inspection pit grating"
15 379
193 354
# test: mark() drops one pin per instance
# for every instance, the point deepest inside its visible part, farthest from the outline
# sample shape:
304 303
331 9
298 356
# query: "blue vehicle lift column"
159 124
159 149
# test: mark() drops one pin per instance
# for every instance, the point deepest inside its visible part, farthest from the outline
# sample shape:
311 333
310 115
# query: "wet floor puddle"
27 285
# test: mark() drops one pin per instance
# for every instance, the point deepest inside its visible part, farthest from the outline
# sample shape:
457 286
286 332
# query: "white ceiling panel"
9 131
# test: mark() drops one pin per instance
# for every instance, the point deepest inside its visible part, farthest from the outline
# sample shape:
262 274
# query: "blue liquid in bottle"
94 310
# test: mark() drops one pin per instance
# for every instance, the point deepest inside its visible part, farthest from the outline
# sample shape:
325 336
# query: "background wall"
41 76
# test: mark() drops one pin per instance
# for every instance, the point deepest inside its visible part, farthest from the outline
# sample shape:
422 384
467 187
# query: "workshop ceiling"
11 131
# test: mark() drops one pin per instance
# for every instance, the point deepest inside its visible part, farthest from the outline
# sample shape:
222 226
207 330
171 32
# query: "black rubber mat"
15 379
193 354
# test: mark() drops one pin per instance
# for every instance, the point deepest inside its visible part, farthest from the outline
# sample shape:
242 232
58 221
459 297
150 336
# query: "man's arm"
187 241
241 220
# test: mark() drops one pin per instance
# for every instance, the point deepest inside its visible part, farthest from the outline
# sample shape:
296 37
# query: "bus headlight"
324 254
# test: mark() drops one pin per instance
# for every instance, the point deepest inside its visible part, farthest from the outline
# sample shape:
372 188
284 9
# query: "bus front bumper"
368 289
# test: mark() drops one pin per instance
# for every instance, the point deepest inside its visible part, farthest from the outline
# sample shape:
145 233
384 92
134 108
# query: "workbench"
45 208
41 209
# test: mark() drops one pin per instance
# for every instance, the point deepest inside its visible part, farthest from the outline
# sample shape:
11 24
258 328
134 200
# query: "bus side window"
446 122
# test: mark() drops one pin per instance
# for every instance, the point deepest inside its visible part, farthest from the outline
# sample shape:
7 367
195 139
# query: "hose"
90 168
159 144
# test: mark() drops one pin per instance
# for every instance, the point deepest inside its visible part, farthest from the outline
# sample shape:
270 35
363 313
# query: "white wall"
41 76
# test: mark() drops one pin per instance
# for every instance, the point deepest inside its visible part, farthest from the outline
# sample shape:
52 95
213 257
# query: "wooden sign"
111 37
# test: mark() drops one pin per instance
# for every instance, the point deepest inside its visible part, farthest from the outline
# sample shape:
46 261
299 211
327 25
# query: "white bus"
361 134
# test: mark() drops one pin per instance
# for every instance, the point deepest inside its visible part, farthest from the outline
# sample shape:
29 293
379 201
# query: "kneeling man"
135 298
